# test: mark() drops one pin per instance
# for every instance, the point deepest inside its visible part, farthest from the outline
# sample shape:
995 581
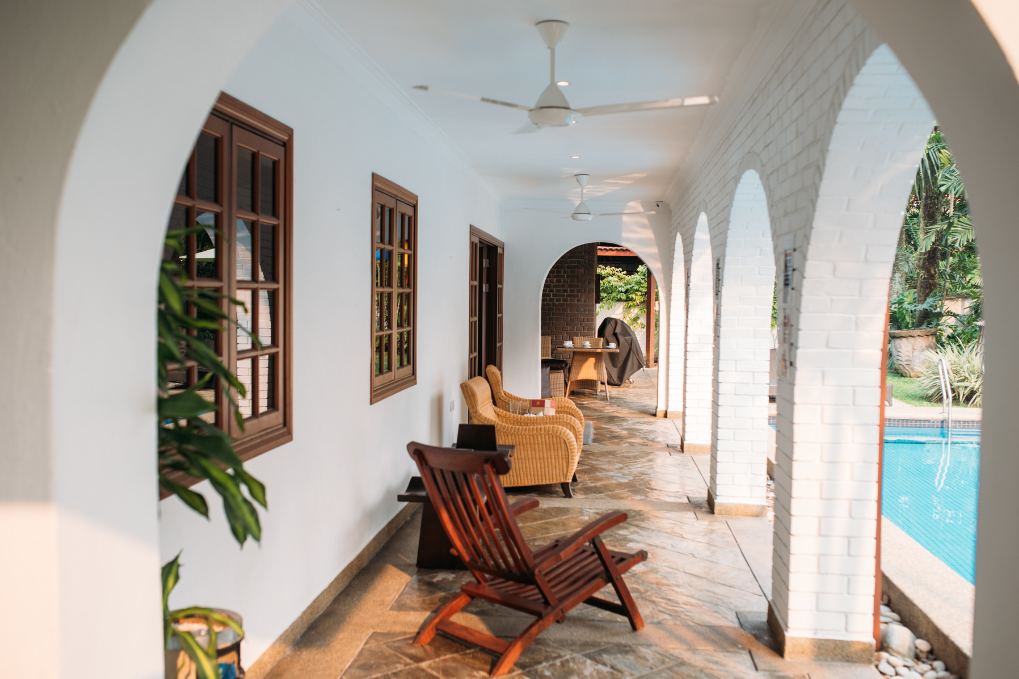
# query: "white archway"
739 426
699 343
677 332
828 435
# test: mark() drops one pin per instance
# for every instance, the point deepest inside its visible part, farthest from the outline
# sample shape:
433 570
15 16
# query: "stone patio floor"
701 592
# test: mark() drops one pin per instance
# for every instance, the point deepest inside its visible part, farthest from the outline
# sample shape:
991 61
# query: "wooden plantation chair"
467 494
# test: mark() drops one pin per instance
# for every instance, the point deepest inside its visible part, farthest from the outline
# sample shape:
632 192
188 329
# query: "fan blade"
681 102
526 128
472 97
616 214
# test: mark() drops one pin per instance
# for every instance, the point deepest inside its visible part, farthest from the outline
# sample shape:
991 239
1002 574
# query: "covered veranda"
807 159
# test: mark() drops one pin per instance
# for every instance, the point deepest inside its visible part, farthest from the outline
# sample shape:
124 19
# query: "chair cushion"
555 363
546 384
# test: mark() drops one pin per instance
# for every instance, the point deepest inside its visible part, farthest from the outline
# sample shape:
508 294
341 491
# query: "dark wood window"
485 303
237 186
394 289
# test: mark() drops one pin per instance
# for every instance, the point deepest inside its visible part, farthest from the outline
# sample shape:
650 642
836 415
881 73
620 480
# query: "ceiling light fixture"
575 157
563 83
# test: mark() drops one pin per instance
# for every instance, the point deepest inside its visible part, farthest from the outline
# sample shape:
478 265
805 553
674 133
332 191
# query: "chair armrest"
521 506
580 538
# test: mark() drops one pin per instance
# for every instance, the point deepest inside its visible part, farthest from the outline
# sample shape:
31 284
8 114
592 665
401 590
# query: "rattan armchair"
502 398
547 448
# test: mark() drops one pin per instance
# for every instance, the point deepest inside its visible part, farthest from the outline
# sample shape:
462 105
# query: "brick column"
699 343
739 431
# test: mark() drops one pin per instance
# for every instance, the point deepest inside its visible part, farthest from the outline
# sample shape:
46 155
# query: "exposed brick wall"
568 308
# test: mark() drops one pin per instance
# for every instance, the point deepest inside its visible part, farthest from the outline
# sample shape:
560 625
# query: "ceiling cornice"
312 19
755 64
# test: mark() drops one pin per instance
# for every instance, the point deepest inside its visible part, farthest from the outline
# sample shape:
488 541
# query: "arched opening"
744 285
596 288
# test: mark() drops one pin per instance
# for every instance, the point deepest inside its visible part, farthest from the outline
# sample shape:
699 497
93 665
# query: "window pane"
406 309
378 268
378 223
385 353
406 348
378 308
399 269
406 270
177 380
206 335
387 227
209 393
245 231
244 376
266 317
399 346
208 165
399 311
205 246
408 223
386 296
267 187
266 252
245 180
378 361
266 383
244 318
178 222
386 275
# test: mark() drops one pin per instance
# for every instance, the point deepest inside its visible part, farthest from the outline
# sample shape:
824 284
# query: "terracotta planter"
909 350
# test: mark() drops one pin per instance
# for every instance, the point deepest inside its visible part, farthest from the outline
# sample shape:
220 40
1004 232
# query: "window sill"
387 390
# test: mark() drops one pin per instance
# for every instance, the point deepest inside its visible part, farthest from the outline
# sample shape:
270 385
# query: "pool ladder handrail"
946 392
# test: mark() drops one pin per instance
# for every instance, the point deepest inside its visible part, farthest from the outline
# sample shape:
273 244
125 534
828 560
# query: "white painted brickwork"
837 192
739 432
677 333
699 339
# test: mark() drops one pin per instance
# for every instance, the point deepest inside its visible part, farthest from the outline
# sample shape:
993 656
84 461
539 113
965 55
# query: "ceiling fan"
552 109
582 213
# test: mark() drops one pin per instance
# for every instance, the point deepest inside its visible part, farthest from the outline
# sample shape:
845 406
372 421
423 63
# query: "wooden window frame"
388 382
235 123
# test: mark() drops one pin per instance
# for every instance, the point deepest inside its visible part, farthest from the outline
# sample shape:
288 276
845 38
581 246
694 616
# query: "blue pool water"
929 490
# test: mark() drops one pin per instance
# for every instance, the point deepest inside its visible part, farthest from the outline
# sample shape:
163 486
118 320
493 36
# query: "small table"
434 548
589 364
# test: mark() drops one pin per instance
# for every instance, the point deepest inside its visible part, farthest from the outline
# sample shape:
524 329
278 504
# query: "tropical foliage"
630 289
187 321
965 374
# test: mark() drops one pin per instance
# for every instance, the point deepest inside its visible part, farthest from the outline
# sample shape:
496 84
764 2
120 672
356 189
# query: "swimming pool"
929 489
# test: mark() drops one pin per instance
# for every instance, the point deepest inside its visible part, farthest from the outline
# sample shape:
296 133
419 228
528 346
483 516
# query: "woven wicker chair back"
597 342
495 381
546 346
478 395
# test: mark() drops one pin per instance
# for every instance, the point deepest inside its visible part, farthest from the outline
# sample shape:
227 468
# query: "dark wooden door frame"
485 280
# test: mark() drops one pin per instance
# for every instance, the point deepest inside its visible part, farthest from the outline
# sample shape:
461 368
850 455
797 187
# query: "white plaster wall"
334 487
534 242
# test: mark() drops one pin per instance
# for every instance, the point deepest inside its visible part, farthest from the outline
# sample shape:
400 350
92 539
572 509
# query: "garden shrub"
965 373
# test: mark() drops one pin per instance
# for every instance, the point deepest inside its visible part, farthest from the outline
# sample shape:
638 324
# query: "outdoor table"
434 548
589 364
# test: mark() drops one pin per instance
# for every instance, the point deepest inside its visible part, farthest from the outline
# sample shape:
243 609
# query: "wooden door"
485 282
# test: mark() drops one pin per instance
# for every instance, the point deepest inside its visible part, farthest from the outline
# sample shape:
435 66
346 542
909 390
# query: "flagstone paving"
700 592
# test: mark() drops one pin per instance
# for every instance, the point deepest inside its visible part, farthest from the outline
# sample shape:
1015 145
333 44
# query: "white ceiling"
615 51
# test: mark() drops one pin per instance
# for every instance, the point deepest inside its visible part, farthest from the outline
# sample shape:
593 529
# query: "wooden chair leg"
567 491
622 591
574 479
447 611
520 644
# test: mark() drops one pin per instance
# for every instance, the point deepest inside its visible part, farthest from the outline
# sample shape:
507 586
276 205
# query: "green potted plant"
191 447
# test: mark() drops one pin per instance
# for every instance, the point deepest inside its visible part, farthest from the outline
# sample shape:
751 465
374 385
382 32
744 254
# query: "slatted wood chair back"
596 342
546 346
465 490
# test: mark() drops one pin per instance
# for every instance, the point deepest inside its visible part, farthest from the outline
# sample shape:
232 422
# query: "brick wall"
568 309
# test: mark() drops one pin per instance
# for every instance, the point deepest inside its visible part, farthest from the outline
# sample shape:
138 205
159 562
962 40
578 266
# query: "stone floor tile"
572 667
375 661
632 661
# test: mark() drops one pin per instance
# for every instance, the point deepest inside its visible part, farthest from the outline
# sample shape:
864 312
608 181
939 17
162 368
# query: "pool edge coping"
934 601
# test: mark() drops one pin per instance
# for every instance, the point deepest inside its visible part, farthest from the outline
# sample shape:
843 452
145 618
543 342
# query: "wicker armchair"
564 406
547 448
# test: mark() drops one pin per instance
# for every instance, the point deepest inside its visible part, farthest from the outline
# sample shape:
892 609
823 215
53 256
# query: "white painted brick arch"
739 426
699 341
834 126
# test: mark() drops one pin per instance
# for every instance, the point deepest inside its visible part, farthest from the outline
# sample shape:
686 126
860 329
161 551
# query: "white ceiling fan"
552 109
582 213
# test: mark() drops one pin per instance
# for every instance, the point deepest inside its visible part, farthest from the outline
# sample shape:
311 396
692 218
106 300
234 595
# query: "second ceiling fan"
582 213
552 109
